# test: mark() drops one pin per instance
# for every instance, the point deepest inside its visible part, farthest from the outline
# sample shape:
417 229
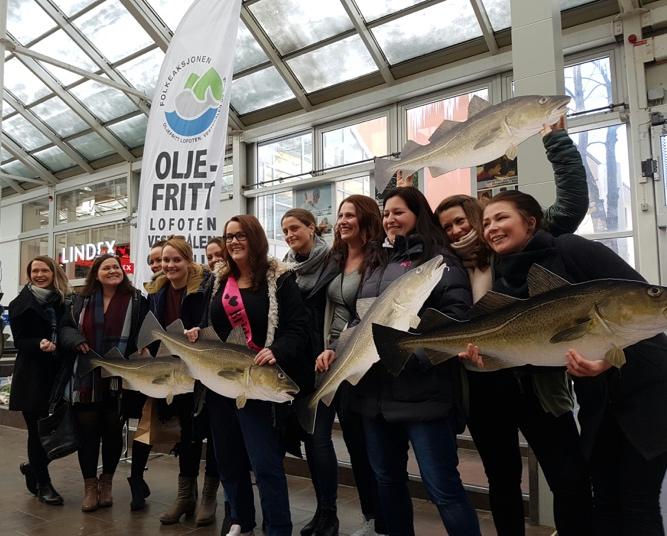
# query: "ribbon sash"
232 303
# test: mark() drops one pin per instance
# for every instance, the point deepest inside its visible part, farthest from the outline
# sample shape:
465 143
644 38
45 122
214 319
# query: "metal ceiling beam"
369 41
12 183
44 129
48 80
89 49
485 24
28 160
267 46
149 22
18 178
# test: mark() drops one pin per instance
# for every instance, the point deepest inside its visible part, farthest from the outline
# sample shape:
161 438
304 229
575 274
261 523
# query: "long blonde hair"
60 282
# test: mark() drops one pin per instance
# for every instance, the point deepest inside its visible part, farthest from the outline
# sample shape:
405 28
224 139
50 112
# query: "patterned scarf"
308 271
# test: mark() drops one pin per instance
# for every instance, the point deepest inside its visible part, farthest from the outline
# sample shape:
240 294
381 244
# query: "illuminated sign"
86 252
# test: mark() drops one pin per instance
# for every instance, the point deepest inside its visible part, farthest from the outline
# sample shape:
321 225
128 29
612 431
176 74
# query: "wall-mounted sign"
86 252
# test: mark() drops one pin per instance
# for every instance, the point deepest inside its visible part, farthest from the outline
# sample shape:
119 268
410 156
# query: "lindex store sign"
85 254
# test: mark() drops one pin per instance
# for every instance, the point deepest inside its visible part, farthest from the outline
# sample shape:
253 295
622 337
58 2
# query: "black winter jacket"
635 394
34 371
421 392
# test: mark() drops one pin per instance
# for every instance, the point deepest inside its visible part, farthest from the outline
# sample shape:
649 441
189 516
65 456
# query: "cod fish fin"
208 334
615 357
491 364
363 305
442 130
572 333
541 280
388 345
476 105
328 397
150 327
488 138
176 327
433 319
169 398
163 351
382 172
491 302
236 336
436 171
240 401
114 353
409 148
512 152
161 380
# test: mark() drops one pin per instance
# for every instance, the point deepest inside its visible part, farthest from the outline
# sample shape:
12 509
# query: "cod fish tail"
149 331
383 173
387 342
306 413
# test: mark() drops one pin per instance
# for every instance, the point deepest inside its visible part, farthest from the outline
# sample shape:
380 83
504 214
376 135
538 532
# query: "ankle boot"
185 503
227 521
105 490
48 495
309 528
327 525
30 477
90 495
208 503
140 491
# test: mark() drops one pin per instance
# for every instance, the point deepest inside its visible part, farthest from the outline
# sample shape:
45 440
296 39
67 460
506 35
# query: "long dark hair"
426 226
258 249
474 211
370 229
92 285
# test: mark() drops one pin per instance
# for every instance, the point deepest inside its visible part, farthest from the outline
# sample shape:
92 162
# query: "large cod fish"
398 306
487 134
598 318
224 367
159 377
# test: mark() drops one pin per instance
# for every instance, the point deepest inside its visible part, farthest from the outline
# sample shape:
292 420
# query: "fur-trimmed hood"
275 271
196 278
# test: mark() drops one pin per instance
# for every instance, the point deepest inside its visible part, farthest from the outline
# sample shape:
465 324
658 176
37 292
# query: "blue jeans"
434 444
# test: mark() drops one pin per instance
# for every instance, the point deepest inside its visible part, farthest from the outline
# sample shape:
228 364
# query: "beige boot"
105 490
209 502
185 503
90 495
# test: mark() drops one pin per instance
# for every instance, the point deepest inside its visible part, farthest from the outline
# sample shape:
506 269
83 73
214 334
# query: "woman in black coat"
107 315
622 416
35 316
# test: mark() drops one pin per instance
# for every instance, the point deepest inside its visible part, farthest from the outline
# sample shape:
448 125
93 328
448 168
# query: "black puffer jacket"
34 371
421 392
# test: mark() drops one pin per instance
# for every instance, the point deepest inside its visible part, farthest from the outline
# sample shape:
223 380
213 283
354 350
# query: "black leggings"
36 453
99 421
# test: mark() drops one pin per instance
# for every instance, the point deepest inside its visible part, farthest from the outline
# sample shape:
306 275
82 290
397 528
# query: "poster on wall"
319 201
184 152
493 176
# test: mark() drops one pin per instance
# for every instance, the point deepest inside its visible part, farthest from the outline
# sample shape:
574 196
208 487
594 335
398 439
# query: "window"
76 250
589 84
283 158
270 210
228 176
35 215
29 250
422 122
92 201
355 142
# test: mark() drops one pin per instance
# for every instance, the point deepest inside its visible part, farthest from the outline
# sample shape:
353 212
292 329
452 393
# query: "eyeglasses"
240 236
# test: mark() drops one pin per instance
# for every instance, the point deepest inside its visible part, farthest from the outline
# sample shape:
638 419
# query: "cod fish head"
416 286
531 112
273 382
637 306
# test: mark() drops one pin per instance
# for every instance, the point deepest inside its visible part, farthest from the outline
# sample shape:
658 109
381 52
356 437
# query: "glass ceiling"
57 123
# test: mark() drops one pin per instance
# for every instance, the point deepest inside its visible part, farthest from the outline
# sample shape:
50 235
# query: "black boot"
140 491
309 528
30 477
48 495
327 525
227 522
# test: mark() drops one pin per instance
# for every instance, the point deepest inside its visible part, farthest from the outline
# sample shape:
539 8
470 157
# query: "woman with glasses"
107 314
35 316
257 293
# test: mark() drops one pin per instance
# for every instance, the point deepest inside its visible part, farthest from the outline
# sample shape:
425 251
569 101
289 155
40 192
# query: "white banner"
184 149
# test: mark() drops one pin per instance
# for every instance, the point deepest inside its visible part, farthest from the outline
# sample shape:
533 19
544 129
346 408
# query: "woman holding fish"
257 296
420 406
35 316
329 283
106 315
179 293
622 417
493 426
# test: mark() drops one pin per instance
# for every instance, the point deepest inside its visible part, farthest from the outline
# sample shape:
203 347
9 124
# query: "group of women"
605 477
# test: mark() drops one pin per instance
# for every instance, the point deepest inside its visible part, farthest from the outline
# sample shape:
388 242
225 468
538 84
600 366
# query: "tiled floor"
22 514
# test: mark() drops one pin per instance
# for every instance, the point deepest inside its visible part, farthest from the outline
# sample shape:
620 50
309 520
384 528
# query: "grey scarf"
308 271
43 295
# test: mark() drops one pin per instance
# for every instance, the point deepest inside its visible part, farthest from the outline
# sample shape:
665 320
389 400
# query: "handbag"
57 432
